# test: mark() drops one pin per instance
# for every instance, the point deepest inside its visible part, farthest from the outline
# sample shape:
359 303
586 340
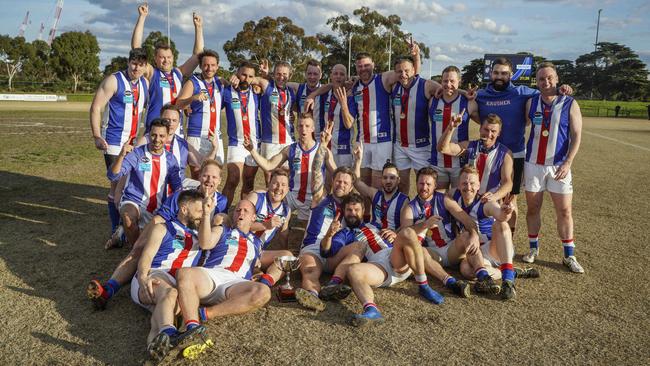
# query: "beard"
193 224
501 85
243 85
352 222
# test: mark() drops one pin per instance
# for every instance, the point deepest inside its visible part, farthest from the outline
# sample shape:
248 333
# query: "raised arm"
362 187
208 235
192 62
264 163
445 145
106 89
575 133
342 97
138 34
309 101
317 180
118 168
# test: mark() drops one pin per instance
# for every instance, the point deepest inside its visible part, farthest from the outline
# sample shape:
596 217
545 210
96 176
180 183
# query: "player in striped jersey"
426 221
165 80
325 210
313 74
491 219
172 245
124 96
409 107
492 159
552 146
441 111
333 107
223 282
204 96
301 156
386 203
242 112
209 179
149 168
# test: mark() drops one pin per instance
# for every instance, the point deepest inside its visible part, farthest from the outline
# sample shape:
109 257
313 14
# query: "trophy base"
286 294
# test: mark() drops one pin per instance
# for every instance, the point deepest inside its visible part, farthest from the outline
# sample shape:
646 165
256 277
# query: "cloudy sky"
456 32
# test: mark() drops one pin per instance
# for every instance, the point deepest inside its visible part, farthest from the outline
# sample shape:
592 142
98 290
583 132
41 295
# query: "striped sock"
449 280
203 314
314 292
533 241
170 330
369 305
569 247
481 273
110 288
335 280
191 324
267 280
507 272
421 279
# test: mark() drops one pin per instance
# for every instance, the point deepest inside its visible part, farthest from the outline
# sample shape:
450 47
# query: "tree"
472 73
565 71
38 67
613 71
376 34
14 53
152 40
117 63
275 39
76 55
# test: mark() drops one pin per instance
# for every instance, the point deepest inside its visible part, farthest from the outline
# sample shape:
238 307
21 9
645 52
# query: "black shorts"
518 169
109 160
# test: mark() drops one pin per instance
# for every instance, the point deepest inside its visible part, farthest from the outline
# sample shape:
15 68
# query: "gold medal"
402 116
174 95
545 133
213 110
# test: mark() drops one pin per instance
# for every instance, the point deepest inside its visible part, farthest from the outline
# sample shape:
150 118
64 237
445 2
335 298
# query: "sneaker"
116 239
95 292
508 290
573 264
487 286
461 288
530 257
371 315
335 292
430 294
309 300
190 339
527 272
159 347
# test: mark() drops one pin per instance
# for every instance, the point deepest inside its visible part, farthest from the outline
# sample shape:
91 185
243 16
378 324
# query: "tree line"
613 71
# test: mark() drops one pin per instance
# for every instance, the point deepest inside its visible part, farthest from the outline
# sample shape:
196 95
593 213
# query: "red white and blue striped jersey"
386 214
148 175
548 143
124 110
276 104
410 114
372 110
236 252
241 115
320 219
265 212
300 167
164 89
475 210
205 119
440 113
169 209
442 234
178 148
179 248
302 93
488 162
327 108
366 234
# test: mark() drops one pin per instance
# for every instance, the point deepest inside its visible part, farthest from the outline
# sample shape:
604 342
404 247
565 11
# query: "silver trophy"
287 264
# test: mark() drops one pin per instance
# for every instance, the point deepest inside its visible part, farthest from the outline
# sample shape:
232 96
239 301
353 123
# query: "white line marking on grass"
43 132
35 124
615 140
50 207
21 218
91 200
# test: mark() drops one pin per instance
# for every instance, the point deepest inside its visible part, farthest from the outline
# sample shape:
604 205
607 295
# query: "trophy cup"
287 264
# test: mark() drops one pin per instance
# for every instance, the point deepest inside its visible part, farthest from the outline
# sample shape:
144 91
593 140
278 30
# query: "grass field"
53 224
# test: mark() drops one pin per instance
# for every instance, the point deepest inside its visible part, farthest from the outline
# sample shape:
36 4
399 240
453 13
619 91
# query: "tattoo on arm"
317 171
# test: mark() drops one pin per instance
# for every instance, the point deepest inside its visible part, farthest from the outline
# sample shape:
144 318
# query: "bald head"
244 215
338 74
